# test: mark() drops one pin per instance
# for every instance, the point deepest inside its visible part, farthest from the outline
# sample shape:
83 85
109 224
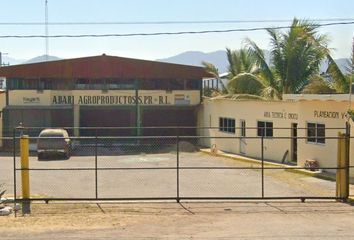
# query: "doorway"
294 142
243 137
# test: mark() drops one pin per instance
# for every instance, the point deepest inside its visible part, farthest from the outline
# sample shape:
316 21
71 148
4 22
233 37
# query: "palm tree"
296 56
241 78
341 82
239 62
242 70
266 75
245 83
318 85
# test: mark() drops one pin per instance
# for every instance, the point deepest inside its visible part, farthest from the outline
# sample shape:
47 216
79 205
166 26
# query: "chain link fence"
171 168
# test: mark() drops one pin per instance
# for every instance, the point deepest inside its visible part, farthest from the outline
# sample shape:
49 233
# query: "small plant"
350 114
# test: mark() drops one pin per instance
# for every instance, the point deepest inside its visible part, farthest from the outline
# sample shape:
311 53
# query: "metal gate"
175 168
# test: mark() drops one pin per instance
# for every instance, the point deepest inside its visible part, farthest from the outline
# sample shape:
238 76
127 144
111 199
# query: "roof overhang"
104 66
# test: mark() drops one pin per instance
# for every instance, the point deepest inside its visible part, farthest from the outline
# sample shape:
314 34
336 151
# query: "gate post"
96 180
177 169
24 149
347 159
342 178
262 156
14 164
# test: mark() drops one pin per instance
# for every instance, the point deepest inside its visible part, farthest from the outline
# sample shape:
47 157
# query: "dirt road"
117 178
233 220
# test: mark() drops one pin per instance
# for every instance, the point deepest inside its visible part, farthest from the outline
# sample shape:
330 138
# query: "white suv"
53 141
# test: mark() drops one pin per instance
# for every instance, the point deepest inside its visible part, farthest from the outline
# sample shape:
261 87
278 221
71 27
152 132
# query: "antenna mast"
46 31
351 77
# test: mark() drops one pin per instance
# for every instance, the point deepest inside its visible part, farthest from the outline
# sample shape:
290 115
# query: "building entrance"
294 142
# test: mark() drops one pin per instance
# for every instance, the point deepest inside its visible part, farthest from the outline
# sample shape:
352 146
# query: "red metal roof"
103 66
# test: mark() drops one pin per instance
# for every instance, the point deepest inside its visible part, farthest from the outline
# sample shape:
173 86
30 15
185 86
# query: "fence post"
342 178
14 164
347 158
177 139
24 149
96 181
262 153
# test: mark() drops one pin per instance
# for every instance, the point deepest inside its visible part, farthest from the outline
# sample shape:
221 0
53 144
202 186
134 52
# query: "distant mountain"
219 59
341 62
42 58
11 61
195 58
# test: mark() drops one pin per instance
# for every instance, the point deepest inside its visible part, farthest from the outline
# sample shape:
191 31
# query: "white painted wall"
251 112
305 110
325 154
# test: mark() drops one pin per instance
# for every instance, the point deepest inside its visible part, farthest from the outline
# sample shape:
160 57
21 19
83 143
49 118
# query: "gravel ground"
168 220
142 183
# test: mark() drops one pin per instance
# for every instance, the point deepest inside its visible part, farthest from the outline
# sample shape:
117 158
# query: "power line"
175 22
168 33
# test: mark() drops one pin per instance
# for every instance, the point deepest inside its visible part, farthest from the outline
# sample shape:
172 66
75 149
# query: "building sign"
281 115
31 100
100 98
109 100
329 114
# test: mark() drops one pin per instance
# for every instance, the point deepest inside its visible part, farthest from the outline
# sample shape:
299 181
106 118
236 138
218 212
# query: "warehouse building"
102 91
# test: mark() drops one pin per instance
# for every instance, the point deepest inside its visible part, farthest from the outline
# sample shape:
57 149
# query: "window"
118 84
243 128
227 125
264 129
41 85
176 84
96 84
193 84
82 83
316 133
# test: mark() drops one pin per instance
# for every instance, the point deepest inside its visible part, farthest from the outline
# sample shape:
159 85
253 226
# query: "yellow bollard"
338 174
342 178
24 149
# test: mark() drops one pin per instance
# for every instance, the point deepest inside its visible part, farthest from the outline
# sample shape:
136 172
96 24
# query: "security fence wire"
175 168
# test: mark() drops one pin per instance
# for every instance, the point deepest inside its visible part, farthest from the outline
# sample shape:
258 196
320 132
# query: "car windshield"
56 135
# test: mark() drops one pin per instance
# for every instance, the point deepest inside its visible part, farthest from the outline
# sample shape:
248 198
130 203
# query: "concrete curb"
288 168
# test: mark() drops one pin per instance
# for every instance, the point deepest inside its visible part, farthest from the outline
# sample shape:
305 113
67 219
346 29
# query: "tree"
295 58
318 85
245 83
241 78
240 61
341 82
242 70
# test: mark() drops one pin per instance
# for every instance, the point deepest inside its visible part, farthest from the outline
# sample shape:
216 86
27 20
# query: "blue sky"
154 47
